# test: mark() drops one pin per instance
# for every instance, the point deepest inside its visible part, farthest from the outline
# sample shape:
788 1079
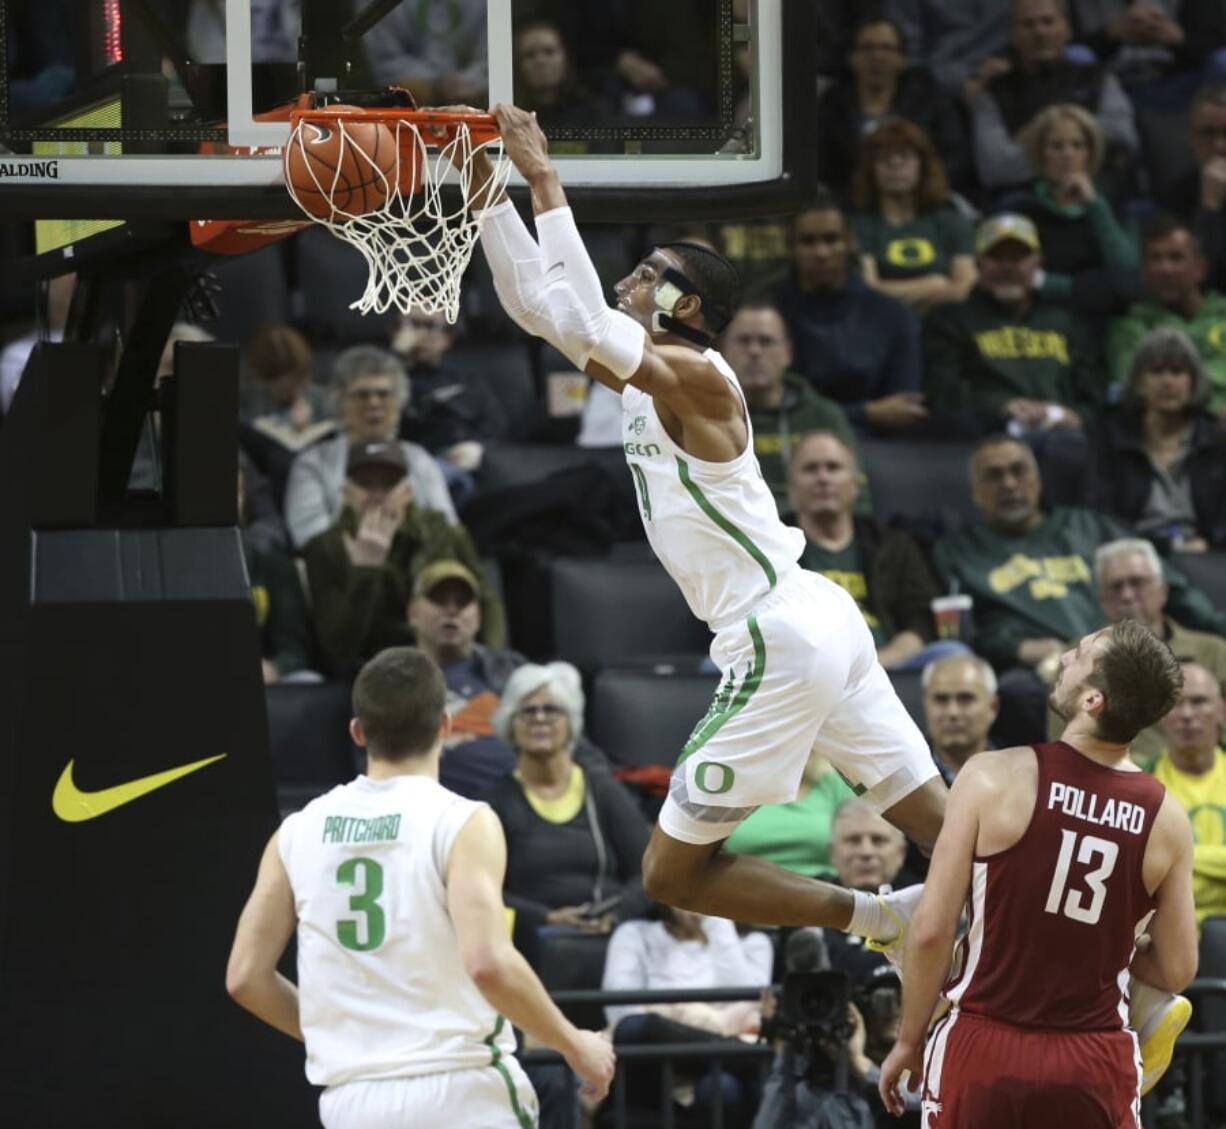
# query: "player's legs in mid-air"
799 674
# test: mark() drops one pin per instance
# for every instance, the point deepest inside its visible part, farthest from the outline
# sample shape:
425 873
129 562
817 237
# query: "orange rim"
436 127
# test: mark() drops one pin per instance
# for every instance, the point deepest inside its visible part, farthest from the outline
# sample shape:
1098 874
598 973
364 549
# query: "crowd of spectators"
999 264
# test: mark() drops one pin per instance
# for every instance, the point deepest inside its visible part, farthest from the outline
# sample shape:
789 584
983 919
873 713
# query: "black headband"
670 323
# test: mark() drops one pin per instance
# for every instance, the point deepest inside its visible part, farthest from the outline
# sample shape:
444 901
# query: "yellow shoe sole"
1159 1046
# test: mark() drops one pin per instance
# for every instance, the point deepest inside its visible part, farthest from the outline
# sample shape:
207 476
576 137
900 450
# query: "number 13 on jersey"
1074 901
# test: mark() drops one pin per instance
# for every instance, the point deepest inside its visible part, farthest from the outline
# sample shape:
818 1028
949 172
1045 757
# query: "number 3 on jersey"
365 903
1074 906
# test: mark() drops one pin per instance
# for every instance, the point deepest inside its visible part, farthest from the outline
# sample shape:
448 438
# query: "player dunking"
798 663
405 965
1068 853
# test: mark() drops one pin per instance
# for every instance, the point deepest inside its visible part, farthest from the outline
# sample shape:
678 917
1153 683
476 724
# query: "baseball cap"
362 455
434 574
1008 225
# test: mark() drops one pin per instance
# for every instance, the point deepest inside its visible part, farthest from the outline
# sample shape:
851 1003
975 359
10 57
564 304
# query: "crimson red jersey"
1054 918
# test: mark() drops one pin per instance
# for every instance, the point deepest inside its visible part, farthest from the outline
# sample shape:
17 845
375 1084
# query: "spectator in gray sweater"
372 390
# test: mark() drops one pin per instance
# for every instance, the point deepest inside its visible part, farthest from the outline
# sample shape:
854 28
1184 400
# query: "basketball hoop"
387 200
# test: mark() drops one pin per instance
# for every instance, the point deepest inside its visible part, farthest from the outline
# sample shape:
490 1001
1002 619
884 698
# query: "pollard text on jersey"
1089 806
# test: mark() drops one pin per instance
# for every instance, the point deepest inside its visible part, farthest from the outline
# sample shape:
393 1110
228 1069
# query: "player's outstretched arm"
474 900
1170 961
560 298
264 929
933 929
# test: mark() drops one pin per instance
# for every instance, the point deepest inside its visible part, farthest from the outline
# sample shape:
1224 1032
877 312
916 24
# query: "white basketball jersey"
714 526
382 989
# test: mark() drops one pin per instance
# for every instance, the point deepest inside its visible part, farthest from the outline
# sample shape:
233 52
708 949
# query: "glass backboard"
175 109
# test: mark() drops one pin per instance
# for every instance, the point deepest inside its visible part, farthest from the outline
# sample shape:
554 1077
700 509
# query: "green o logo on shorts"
723 781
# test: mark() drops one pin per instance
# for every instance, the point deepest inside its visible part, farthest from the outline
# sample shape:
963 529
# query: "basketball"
347 170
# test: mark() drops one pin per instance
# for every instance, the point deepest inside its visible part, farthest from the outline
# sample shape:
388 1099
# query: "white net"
415 245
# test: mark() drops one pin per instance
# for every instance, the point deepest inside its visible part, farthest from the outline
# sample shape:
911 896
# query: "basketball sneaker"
1159 1019
899 907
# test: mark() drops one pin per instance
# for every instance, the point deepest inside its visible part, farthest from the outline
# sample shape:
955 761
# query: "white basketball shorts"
799 674
484 1097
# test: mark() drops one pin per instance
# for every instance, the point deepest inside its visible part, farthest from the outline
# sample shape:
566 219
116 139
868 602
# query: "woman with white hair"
1161 456
575 838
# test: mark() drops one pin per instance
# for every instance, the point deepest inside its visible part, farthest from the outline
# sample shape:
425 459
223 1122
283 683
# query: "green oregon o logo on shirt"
1217 336
725 781
911 252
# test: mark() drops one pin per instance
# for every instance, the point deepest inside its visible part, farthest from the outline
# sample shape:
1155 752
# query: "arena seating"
253 291
519 464
1207 571
643 717
308 726
502 374
911 693
607 612
940 494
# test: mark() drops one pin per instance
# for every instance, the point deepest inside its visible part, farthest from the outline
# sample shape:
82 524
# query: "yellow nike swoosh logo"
74 806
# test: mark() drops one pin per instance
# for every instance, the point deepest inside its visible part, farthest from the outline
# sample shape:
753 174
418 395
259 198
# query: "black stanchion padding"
125 653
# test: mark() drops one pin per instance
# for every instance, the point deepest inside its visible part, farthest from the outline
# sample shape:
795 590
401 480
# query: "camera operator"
838 1015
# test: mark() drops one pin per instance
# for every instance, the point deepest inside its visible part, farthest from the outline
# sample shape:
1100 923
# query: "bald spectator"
1128 578
882 569
1036 72
1173 271
867 852
960 705
1193 769
1031 577
783 408
865 849
851 343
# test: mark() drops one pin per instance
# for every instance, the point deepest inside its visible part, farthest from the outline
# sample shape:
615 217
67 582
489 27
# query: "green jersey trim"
729 698
736 533
521 1115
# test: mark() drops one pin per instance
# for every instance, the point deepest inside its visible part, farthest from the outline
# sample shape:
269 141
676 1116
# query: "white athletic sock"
1144 1003
869 920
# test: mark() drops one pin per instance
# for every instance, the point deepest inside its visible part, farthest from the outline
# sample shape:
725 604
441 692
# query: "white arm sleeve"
515 263
551 308
561 244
